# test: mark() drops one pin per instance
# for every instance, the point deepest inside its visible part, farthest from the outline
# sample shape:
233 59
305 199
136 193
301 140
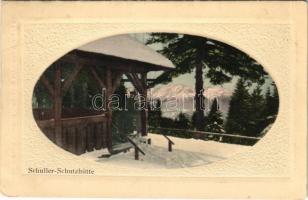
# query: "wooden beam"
109 111
58 106
116 64
148 80
68 82
130 78
97 78
138 81
48 86
144 112
119 62
135 81
116 81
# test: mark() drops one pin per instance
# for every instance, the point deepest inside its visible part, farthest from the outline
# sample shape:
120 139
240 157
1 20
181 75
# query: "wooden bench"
124 147
119 148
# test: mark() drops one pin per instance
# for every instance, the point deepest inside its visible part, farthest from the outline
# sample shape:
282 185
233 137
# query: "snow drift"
186 153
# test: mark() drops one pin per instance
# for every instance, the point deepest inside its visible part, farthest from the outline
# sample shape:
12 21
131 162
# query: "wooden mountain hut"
78 130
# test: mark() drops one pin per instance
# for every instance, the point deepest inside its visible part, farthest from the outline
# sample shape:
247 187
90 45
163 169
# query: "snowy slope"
186 153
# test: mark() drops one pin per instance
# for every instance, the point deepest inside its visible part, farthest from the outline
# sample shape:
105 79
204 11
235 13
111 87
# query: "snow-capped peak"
184 91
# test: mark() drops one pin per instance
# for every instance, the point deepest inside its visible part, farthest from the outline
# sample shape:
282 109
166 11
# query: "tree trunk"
199 98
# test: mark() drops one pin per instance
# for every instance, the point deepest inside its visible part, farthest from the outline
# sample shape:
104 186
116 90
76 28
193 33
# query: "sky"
188 79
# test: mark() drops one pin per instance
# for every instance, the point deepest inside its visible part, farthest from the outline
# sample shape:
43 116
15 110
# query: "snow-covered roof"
126 47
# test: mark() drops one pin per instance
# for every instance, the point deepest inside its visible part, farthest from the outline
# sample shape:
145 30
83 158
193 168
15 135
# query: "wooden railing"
170 143
79 134
136 147
203 135
48 113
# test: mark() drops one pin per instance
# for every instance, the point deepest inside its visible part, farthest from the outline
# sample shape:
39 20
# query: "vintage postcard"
154 99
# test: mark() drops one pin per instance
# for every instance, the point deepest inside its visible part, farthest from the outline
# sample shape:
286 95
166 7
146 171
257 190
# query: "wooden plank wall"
79 134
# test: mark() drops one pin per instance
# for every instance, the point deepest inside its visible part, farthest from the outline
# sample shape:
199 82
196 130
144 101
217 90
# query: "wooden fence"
79 134
220 137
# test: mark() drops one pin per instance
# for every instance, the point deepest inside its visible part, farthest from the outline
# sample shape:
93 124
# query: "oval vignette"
171 100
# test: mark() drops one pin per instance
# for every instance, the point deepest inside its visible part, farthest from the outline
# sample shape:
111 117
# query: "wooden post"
109 111
169 146
136 154
58 106
59 92
101 130
144 112
138 123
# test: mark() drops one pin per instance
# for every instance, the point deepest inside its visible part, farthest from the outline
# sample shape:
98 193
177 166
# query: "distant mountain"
176 98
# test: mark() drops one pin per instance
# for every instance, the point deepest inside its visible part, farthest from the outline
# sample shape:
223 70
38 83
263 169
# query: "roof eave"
117 62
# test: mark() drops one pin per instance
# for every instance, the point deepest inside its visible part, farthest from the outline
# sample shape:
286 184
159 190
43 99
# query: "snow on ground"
186 153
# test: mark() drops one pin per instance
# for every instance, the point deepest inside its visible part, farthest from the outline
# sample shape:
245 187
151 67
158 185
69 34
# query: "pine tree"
167 122
208 58
270 111
271 102
214 119
238 114
257 106
275 102
182 121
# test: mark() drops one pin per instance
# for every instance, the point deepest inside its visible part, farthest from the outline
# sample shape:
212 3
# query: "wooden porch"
79 130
